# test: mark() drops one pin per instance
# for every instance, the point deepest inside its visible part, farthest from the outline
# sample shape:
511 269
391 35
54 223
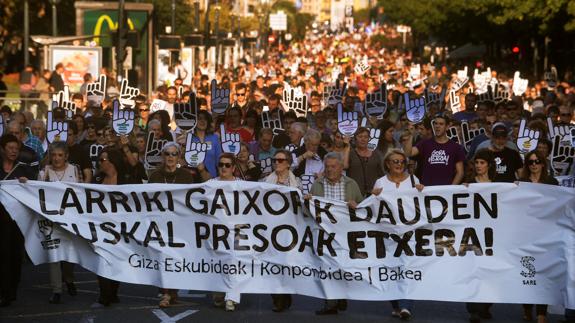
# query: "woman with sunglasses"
397 178
169 173
535 170
282 175
226 169
112 170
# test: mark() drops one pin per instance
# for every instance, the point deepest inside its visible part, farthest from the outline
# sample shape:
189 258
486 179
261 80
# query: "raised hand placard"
414 108
273 123
376 102
56 130
186 113
452 133
562 157
347 122
527 139
153 154
306 183
454 102
469 134
1 125
96 91
434 98
336 94
220 98
127 95
361 67
563 131
266 166
94 153
230 141
122 120
374 135
62 100
195 151
519 84
294 99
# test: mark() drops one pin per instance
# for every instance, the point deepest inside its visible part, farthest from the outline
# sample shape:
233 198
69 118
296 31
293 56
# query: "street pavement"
139 304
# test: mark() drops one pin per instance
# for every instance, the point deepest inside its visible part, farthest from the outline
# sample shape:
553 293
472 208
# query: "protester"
59 170
364 166
112 171
282 175
397 178
336 186
226 170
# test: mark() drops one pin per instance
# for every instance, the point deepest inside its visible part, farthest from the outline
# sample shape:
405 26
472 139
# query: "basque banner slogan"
482 243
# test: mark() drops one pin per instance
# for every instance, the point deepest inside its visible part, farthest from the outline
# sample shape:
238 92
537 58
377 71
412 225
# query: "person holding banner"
397 178
282 175
535 170
246 169
336 186
14 166
309 157
59 170
483 172
112 171
170 173
226 170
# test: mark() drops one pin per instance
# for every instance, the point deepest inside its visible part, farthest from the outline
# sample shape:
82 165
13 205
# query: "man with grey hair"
296 133
308 158
38 129
17 129
336 186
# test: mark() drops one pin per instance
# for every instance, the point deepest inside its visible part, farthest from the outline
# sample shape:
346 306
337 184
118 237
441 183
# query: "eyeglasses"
278 160
532 162
103 160
240 94
144 110
565 114
398 161
100 133
173 154
226 165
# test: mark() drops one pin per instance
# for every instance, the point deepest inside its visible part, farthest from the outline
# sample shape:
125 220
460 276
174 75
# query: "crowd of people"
469 134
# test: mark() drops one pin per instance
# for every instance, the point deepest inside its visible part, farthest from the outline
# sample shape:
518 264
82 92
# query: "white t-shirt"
385 184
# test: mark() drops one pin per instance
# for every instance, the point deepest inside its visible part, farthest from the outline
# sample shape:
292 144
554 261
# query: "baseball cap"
499 129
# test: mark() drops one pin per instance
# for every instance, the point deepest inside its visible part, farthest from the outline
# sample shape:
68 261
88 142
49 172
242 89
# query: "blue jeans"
402 303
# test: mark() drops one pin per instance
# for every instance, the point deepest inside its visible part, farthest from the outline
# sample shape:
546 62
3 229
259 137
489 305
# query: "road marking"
87 318
165 318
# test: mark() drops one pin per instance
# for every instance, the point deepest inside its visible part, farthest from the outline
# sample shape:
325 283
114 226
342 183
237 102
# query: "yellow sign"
111 25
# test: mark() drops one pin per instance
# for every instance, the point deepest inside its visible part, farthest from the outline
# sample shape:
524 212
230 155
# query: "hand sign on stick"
56 130
122 120
127 95
96 91
415 108
186 113
347 122
376 102
220 98
153 154
195 151
527 139
230 141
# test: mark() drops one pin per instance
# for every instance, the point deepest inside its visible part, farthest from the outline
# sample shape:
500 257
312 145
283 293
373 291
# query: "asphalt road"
139 304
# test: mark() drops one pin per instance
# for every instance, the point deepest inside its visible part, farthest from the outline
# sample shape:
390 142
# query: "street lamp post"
173 16
26 32
196 15
217 32
54 17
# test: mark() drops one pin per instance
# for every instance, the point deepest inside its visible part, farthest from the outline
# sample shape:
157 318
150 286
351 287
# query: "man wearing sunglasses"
241 101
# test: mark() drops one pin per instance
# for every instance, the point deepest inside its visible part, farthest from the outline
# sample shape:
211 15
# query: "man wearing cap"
442 159
507 161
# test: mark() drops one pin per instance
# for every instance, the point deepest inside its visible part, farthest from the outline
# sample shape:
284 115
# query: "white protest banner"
497 243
